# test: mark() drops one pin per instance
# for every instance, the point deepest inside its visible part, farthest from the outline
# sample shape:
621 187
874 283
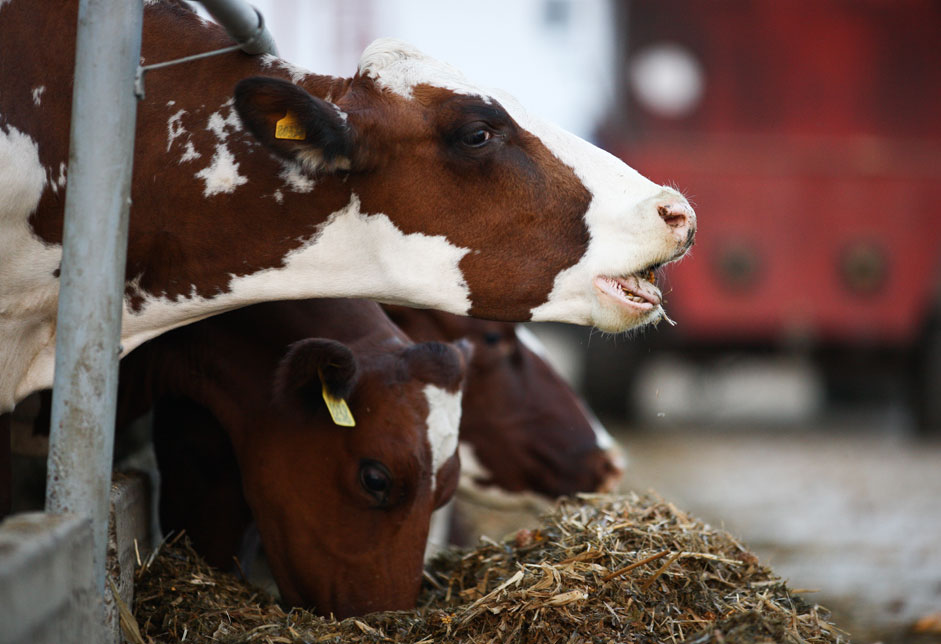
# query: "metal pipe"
244 23
94 251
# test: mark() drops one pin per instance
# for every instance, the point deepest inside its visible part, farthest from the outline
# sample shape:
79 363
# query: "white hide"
295 179
220 125
189 153
175 130
175 127
297 74
398 67
37 95
626 232
222 175
444 420
352 254
56 183
28 288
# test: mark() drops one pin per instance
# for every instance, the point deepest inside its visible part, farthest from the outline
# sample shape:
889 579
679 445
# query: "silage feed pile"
599 568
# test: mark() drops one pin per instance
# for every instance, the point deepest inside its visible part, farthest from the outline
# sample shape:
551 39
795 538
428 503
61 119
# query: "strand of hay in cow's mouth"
598 569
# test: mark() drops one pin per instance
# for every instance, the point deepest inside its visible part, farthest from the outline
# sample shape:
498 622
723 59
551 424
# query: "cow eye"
376 480
476 138
492 338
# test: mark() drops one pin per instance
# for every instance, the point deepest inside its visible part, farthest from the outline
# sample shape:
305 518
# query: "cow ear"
298 376
294 124
439 363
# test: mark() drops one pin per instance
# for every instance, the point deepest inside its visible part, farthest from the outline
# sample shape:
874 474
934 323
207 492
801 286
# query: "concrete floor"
853 514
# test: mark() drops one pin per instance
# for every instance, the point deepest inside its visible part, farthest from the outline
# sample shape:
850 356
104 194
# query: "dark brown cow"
343 512
522 426
409 185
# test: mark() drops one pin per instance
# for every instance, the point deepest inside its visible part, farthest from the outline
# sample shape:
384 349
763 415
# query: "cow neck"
208 184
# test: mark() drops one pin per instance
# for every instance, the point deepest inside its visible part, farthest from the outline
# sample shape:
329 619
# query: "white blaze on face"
444 419
626 233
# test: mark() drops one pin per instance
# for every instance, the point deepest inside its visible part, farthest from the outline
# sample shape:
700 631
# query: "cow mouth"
635 292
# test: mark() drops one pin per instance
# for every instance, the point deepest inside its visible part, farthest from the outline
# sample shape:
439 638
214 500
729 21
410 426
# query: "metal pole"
94 251
244 23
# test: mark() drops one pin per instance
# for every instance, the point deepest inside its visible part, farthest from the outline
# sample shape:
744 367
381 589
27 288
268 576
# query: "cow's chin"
624 303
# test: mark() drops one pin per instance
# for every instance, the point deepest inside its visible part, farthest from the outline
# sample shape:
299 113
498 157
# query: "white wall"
561 69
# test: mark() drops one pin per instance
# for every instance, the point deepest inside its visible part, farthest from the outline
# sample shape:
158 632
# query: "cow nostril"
675 216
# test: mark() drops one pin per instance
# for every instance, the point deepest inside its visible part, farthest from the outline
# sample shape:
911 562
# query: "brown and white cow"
343 512
523 428
411 185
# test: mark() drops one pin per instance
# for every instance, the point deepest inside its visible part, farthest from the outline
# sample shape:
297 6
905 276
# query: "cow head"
522 427
522 220
343 512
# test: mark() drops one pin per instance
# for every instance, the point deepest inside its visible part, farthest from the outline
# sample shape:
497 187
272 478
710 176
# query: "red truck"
807 134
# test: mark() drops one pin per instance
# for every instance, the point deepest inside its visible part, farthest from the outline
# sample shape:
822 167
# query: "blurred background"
798 400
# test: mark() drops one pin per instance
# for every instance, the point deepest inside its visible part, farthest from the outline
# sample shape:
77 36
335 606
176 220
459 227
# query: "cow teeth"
631 295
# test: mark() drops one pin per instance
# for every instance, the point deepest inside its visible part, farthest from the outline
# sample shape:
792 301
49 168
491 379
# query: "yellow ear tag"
288 127
339 410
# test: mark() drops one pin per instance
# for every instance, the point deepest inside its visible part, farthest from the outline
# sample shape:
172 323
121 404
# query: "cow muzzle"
680 219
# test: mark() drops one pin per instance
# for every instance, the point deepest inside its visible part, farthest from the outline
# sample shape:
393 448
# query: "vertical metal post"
93 259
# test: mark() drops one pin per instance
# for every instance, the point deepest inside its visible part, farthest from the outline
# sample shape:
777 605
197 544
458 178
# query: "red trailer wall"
813 158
